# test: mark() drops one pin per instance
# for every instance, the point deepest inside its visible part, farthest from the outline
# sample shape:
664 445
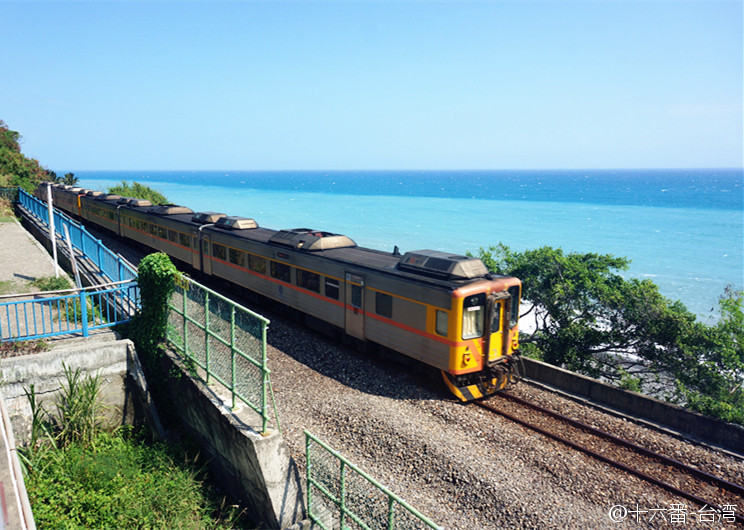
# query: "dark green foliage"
156 280
70 179
593 321
138 191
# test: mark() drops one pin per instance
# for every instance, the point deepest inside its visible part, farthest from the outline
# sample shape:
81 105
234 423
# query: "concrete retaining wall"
124 396
715 432
255 468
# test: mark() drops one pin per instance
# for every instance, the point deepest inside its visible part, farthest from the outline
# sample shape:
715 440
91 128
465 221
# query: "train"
445 310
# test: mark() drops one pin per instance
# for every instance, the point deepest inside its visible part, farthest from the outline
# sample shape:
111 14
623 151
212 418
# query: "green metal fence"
342 496
224 339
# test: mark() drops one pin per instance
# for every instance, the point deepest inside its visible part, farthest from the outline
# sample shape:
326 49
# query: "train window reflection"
218 251
184 239
237 257
331 288
384 304
257 264
281 271
308 280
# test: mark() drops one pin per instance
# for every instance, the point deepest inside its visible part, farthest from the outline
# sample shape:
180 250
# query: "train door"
354 296
205 253
196 249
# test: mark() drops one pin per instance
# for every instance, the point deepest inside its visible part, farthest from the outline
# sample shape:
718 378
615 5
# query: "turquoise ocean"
683 229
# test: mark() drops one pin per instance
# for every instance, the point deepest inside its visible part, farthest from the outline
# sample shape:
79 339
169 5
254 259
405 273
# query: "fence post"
342 495
232 354
265 380
184 291
206 333
84 312
308 475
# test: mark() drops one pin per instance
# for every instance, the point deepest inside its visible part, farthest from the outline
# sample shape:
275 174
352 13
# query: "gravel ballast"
459 465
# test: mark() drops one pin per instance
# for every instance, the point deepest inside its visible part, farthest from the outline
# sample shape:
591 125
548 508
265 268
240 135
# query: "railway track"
699 487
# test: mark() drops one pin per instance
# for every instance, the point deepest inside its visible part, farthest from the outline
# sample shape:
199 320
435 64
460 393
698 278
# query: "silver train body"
444 310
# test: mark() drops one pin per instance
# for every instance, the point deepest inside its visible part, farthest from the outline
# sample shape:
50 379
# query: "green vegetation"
156 276
82 474
52 283
138 191
17 170
591 320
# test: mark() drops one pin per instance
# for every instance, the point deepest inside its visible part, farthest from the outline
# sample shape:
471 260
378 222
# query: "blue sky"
374 85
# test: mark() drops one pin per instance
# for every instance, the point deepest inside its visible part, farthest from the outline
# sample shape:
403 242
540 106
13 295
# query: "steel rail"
735 488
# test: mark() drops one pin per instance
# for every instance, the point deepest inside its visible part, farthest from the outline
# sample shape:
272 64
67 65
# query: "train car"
64 197
101 210
447 311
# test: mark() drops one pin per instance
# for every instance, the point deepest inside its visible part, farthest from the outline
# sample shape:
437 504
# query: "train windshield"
473 315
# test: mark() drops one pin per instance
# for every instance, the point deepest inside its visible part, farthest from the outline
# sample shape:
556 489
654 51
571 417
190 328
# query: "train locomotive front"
486 354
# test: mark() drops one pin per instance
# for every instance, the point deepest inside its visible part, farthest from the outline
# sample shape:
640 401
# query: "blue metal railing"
10 194
38 315
79 312
111 265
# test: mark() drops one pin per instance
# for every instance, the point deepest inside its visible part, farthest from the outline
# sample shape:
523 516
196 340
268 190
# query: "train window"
281 271
218 251
356 296
513 306
152 229
384 304
111 215
473 313
172 236
442 323
237 257
130 221
184 239
162 232
331 288
257 264
308 280
496 320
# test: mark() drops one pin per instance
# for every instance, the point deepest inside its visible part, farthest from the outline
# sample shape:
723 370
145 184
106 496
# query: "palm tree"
70 179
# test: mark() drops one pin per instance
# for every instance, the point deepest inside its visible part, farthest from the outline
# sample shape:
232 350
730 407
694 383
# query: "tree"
591 320
16 170
138 191
9 139
715 384
70 179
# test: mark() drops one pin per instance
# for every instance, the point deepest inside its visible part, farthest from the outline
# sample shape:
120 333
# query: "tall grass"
82 473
